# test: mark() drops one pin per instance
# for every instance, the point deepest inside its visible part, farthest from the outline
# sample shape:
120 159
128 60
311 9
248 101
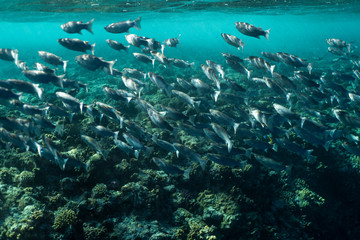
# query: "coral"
94 231
26 178
64 218
99 190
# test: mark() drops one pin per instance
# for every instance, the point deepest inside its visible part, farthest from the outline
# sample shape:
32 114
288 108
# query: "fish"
160 57
143 58
189 100
222 118
92 62
180 63
295 148
136 144
58 111
29 109
312 138
271 163
13 138
238 67
203 87
170 169
92 143
118 94
160 83
225 161
261 63
110 112
351 149
70 102
76 44
220 131
9 54
44 77
104 131
337 51
22 65
211 75
158 120
53 59
172 42
16 124
131 72
185 84
252 31
285 112
77 26
126 148
123 26
133 84
294 61
338 43
43 68
232 57
48 125
24 86
346 118
163 144
116 45
233 41
271 56
189 154
8 95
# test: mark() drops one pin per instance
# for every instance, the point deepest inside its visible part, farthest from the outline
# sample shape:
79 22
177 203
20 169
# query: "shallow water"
121 197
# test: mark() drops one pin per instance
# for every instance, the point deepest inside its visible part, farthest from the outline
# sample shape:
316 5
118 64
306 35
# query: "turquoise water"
109 194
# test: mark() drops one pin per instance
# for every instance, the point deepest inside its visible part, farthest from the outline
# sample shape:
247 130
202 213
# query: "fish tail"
15 55
267 33
65 64
60 81
92 48
242 45
59 129
81 107
110 66
89 26
348 46
38 90
236 126
216 95
229 145
327 145
71 116
136 153
137 23
309 67
116 135
272 69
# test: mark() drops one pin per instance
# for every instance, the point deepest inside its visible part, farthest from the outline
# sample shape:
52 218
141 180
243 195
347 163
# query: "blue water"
318 200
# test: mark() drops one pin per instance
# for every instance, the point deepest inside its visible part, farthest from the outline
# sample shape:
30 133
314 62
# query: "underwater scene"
160 120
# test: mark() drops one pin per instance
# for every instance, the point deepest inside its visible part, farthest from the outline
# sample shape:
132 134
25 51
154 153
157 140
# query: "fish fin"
348 46
242 45
248 73
136 153
327 145
236 126
93 48
216 95
229 145
137 22
60 81
177 153
272 67
116 135
110 65
39 91
275 147
59 129
248 152
89 26
71 116
148 151
162 48
197 103
202 163
162 113
267 32
65 64
153 62
81 107
15 55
